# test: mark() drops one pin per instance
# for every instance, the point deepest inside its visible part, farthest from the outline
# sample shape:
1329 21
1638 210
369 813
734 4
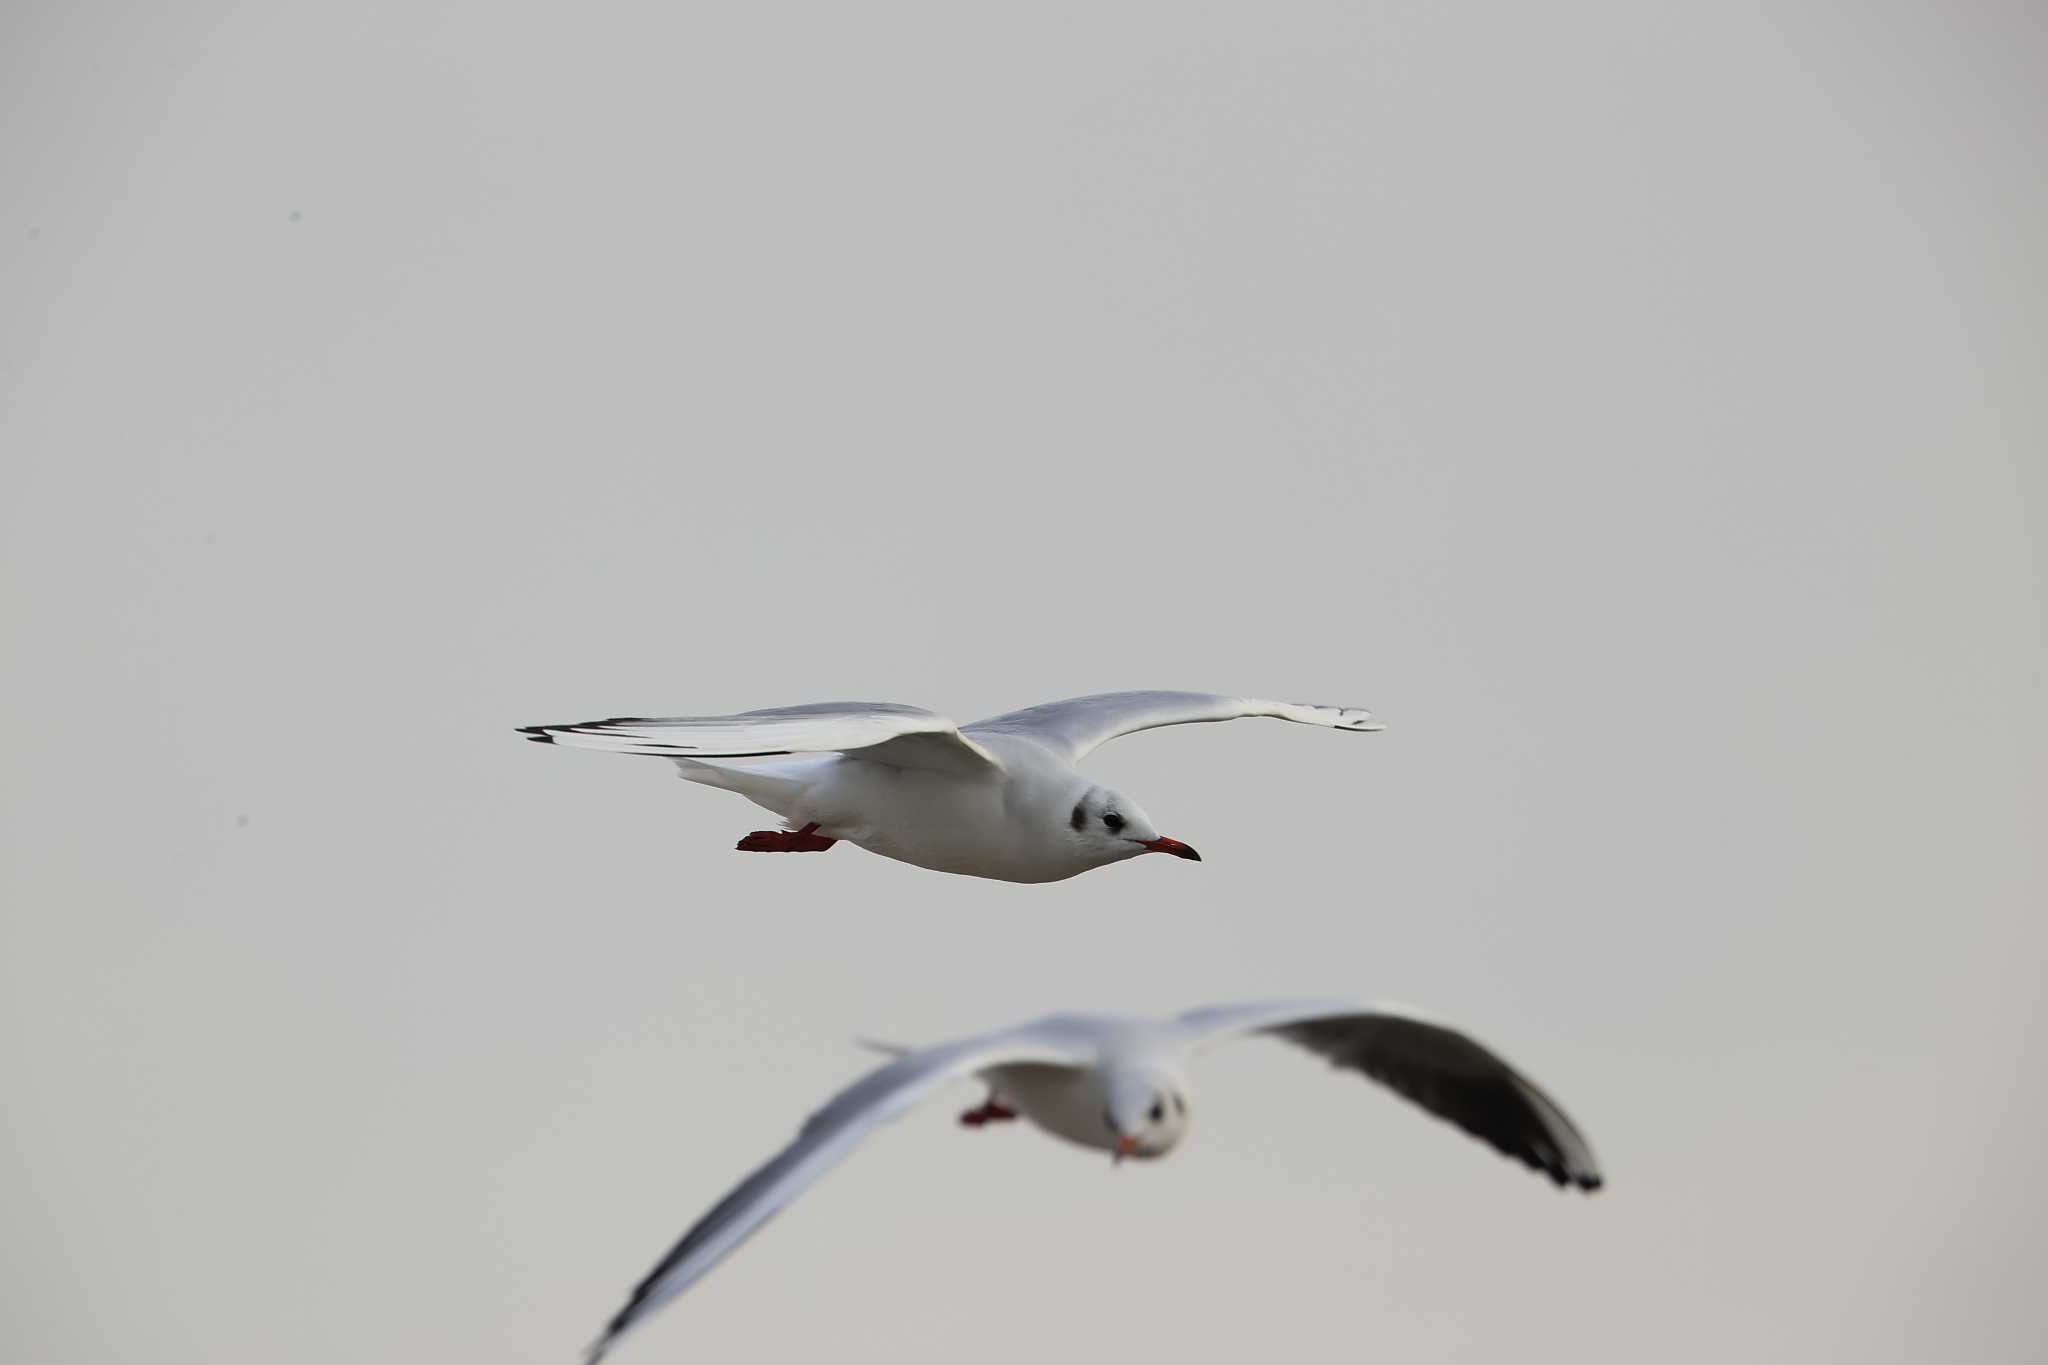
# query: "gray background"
1639 407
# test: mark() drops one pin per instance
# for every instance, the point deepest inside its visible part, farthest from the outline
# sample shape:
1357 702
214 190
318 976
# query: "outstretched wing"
826 1137
1449 1074
1074 727
880 732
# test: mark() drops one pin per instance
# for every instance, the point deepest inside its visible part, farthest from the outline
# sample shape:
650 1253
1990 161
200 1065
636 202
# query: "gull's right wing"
880 732
825 1139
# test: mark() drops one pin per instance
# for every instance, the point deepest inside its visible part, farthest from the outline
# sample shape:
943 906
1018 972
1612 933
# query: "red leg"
990 1110
805 840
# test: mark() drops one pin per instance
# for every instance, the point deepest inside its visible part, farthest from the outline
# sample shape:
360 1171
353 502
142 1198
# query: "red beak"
1174 846
1124 1147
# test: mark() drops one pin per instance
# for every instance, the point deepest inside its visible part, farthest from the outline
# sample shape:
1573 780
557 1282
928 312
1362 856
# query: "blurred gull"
1118 1085
999 798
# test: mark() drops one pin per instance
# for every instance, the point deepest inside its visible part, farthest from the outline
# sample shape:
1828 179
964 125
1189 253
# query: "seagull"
1118 1085
999 798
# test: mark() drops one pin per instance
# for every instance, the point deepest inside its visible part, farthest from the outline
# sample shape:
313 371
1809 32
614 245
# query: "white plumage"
999 798
1119 1085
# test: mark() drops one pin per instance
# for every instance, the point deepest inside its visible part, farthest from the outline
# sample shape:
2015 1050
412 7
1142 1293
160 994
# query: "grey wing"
1445 1071
1074 727
825 1139
881 732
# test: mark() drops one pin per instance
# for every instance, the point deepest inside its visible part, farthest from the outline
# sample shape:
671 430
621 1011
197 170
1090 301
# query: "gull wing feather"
1075 727
825 1139
878 732
1450 1074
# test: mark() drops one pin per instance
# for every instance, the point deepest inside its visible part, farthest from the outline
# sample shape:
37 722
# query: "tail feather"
771 786
775 783
886 1049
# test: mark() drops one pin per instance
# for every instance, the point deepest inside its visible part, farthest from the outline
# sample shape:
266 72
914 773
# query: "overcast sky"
1639 407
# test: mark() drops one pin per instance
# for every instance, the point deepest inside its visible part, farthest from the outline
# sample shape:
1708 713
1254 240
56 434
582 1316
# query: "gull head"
1108 827
1144 1113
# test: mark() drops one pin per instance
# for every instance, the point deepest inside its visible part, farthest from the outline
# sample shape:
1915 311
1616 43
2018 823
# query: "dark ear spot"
1080 816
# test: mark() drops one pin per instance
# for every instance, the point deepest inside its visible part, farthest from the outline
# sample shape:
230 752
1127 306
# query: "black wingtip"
539 734
1588 1181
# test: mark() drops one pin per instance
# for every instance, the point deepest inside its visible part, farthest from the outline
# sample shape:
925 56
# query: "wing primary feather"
878 732
1459 1081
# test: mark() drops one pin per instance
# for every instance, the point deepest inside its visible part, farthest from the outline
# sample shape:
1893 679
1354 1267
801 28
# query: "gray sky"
1640 408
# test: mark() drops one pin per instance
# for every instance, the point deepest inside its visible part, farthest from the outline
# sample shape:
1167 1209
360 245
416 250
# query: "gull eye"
1112 821
1158 1112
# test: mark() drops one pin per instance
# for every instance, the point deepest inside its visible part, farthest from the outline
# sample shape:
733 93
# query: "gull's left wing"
1072 728
1446 1072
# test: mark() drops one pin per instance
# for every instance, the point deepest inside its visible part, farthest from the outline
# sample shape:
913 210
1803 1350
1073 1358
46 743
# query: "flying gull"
999 798
1119 1085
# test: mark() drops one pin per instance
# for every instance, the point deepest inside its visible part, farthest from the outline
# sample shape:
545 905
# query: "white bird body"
1000 798
1065 1101
1118 1084
1115 1057
1009 823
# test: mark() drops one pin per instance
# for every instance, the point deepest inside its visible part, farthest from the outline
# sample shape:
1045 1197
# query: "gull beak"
1174 846
1124 1147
